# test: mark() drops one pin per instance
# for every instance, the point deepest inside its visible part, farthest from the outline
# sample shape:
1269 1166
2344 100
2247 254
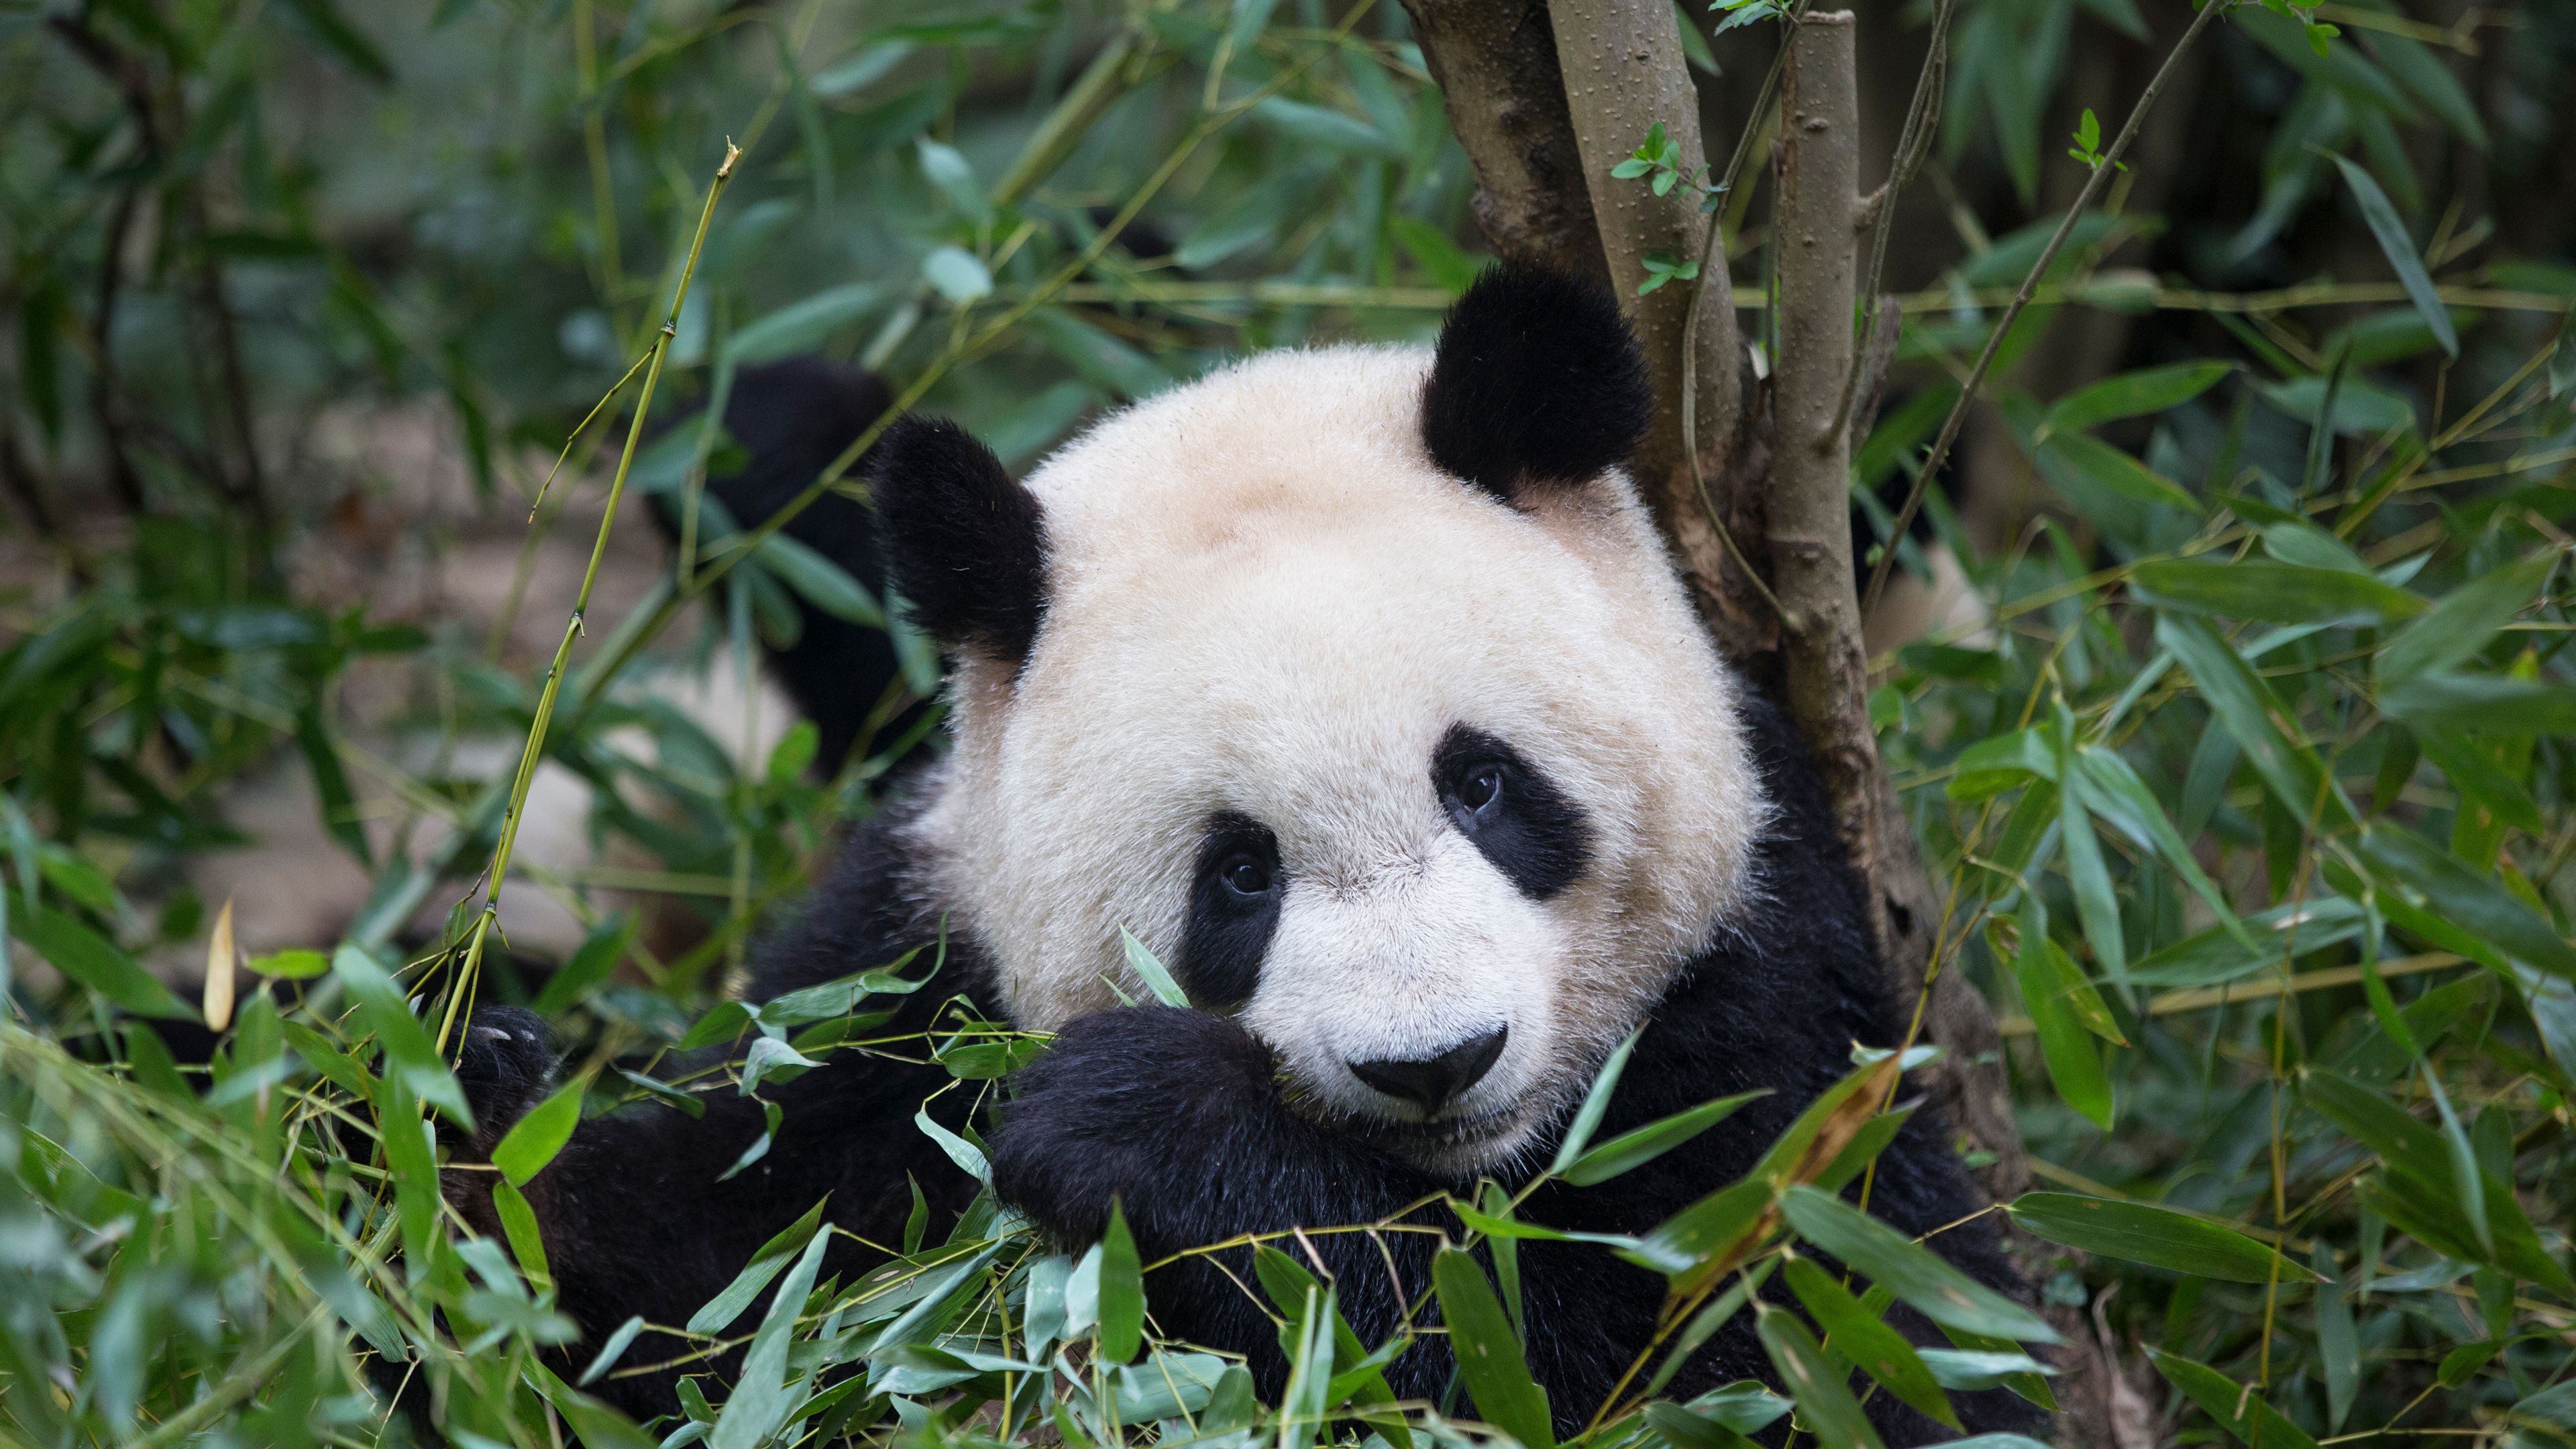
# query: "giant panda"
1356 683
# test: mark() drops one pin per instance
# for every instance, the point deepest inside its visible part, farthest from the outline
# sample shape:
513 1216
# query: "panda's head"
1356 683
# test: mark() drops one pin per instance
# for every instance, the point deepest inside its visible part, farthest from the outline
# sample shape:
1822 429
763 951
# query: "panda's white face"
1434 792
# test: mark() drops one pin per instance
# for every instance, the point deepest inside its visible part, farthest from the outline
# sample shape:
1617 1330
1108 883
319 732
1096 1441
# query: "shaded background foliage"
303 298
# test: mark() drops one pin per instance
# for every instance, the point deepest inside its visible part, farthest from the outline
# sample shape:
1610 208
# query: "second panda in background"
1356 683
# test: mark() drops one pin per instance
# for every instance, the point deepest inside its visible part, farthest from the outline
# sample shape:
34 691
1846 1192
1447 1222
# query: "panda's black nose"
1434 1082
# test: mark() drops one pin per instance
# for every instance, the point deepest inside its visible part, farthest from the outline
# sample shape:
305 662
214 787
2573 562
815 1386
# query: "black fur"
1229 930
635 1217
1179 1116
793 418
1537 383
970 541
1532 832
507 1067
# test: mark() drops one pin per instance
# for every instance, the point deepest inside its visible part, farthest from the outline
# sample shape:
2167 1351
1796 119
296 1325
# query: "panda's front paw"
1124 1103
506 1067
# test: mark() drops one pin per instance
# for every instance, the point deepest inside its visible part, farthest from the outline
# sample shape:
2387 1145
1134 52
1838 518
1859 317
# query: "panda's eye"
1478 787
1245 875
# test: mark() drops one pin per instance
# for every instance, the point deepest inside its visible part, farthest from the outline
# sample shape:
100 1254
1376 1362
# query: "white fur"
1264 597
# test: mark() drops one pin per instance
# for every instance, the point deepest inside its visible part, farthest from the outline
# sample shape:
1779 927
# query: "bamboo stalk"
461 990
2202 998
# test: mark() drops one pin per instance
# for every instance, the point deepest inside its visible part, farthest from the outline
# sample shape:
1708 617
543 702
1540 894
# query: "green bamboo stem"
462 991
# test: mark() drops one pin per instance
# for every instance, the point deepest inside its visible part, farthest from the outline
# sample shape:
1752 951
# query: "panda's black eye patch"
1532 831
1235 890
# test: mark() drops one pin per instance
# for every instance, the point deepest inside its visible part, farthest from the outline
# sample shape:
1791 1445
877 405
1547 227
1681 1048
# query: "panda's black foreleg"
1177 1117
650 1212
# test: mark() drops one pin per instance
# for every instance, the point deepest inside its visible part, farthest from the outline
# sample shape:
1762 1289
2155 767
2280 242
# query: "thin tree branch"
2084 200
1624 71
1878 211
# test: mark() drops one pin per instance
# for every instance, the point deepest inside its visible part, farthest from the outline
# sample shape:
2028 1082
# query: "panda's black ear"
1537 383
968 541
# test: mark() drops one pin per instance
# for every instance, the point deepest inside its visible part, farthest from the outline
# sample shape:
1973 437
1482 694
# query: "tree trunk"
1495 62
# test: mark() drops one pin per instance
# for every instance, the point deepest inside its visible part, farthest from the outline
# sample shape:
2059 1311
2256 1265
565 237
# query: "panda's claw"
507 1065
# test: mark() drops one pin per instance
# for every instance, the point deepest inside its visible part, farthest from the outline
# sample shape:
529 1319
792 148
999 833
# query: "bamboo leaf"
1122 1290
2399 247
1862 1338
2066 1046
589 964
1595 1103
762 1394
2278 592
1149 968
1911 1271
2338 1342
2097 462
338 804
2245 708
2115 792
2097 904
1488 1352
2443 885
2138 1232
534 1139
2495 702
1824 1398
772 1258
409 1054
1645 1144
2130 395
2239 1412
94 961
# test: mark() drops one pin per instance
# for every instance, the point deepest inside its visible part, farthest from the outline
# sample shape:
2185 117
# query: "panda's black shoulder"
1801 860
873 904
1796 953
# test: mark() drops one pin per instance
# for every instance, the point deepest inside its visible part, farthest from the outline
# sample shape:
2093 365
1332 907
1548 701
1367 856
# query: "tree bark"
1808 531
1624 72
1495 62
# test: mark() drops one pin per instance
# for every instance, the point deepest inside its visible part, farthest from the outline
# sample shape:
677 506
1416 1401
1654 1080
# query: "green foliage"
2247 787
